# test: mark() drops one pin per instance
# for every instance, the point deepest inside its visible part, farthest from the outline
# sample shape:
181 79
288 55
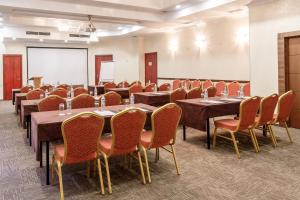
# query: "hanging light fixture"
91 29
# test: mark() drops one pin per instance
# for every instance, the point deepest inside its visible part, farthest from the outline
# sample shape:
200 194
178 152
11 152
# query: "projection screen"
63 65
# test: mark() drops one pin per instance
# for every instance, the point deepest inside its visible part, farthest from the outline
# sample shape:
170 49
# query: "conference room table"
46 127
197 112
124 92
13 94
18 98
153 98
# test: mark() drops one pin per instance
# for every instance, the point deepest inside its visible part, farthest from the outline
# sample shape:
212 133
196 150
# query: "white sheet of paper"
232 99
105 113
211 101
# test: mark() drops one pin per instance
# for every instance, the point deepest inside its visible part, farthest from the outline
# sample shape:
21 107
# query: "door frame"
97 55
156 65
3 69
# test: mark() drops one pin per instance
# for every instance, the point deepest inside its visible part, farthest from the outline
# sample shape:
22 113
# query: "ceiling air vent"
37 33
79 35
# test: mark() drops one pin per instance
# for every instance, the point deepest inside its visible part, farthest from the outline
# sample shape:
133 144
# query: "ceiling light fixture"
120 28
178 6
66 41
41 40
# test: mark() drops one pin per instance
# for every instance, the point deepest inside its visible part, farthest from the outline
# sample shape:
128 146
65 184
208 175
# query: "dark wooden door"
98 60
12 74
294 78
151 67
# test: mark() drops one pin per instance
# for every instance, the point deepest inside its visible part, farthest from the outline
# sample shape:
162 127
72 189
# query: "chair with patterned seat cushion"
177 94
35 94
233 88
164 87
60 92
246 121
211 91
206 84
136 88
80 90
165 121
127 127
194 93
112 98
196 83
220 86
81 135
149 88
109 85
83 101
285 106
26 89
51 103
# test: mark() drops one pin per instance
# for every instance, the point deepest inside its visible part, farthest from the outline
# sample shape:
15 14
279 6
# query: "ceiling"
110 17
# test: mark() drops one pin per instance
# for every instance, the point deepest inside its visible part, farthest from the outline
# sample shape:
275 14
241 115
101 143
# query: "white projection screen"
63 65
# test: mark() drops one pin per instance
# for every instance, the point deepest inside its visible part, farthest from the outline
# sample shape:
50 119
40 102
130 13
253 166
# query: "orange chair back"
221 85
165 121
46 87
135 89
60 92
50 103
83 101
164 87
80 90
127 127
109 85
123 84
176 84
63 86
194 93
177 94
150 87
248 111
35 94
211 91
267 108
207 83
247 89
26 89
135 82
233 88
285 105
186 83
112 98
196 83
81 135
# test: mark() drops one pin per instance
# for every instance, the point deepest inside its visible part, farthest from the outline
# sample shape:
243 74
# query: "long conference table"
153 98
46 127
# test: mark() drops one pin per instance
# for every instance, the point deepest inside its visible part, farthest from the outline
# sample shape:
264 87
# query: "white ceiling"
110 17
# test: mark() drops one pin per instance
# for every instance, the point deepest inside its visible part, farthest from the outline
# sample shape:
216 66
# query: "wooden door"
98 60
151 67
293 73
12 74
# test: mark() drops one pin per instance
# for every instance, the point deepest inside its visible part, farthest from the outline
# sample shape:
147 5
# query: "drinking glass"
97 105
91 93
61 109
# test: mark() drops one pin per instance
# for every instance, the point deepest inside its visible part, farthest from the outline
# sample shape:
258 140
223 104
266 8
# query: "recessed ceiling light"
41 40
66 41
13 38
120 28
178 6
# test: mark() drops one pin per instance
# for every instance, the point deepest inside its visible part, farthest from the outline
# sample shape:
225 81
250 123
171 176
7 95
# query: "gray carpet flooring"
274 173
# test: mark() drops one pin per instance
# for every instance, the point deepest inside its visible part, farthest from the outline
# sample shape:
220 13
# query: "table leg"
41 154
264 130
208 133
47 164
27 127
29 121
184 132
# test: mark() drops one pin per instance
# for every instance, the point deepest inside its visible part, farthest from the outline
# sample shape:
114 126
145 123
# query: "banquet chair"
127 127
194 93
50 103
233 88
206 84
164 87
211 91
80 90
81 135
83 101
196 83
165 121
26 89
247 89
112 98
186 84
176 84
60 92
285 105
109 85
246 121
63 86
123 84
149 87
177 94
47 87
266 113
221 85
35 94
135 89
135 82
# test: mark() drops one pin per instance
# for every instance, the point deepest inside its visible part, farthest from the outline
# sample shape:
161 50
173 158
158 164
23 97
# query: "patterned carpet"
205 174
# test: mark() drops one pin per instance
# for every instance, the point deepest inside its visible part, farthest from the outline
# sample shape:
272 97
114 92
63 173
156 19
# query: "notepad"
105 113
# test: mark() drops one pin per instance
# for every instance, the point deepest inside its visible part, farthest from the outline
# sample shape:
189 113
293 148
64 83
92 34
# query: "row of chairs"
249 119
83 141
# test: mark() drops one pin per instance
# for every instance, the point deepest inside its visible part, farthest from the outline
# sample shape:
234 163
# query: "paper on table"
105 113
231 99
211 101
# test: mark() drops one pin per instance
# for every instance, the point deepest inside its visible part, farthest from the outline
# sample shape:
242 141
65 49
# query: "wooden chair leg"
88 169
288 132
141 167
52 170
215 137
100 176
147 165
95 167
273 138
107 174
235 145
175 160
60 180
255 145
156 154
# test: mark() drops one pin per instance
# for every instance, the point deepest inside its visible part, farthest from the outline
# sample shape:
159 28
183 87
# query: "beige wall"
266 21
